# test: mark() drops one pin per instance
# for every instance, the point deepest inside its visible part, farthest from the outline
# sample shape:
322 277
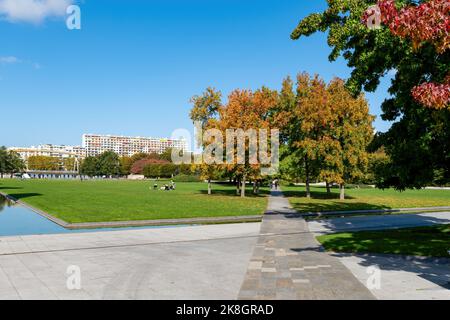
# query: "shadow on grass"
337 206
334 204
382 248
10 188
20 196
232 193
323 195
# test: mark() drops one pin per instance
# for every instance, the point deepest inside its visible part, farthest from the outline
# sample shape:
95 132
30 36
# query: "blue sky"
133 66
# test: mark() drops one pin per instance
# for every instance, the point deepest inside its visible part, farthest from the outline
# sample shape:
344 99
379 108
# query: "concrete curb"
136 223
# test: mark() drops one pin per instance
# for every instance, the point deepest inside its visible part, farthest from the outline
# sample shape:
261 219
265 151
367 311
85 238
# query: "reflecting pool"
18 220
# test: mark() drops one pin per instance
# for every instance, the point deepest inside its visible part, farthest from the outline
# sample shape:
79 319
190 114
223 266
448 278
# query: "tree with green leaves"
89 166
3 161
418 142
15 163
108 164
125 165
10 162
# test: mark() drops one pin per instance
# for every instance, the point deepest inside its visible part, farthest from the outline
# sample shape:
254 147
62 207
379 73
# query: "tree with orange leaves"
346 134
329 130
204 112
239 120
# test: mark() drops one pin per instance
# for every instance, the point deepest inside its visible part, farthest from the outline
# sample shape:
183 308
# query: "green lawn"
364 198
424 241
106 200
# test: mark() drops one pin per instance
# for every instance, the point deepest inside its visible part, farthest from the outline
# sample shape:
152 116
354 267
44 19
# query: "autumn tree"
204 110
45 163
138 166
418 142
346 132
427 22
243 115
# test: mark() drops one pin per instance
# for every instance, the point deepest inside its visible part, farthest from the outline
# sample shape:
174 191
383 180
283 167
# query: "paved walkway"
378 222
196 262
402 277
288 262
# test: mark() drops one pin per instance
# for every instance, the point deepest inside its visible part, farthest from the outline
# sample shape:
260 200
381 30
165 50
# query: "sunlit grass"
106 200
363 199
423 241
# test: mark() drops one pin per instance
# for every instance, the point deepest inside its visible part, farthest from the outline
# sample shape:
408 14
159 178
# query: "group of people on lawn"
165 187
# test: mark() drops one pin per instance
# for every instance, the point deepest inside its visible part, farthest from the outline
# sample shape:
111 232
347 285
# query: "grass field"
424 241
100 201
367 198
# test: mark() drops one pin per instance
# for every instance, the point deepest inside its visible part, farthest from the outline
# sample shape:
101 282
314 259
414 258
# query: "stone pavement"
195 262
288 263
402 277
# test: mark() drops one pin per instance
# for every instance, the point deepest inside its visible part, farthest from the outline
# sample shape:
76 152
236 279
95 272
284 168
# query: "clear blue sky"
133 66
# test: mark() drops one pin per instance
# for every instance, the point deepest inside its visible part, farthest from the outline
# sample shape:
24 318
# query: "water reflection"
16 219
5 202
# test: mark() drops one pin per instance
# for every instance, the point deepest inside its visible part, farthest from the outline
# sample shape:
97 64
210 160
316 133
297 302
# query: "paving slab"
402 277
198 262
288 263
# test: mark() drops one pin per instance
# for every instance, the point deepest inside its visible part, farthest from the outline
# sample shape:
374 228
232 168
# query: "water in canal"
18 220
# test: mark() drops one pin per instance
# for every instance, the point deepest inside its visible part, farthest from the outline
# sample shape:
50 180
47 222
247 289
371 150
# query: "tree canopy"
418 142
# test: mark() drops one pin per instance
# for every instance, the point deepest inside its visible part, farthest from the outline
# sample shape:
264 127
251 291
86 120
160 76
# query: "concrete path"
288 263
402 277
197 262
377 222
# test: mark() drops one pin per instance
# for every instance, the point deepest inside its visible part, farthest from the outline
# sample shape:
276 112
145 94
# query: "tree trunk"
308 190
254 186
209 186
328 188
243 187
341 192
238 186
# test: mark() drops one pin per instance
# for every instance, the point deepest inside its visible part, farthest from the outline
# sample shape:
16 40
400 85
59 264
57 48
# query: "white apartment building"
95 144
50 150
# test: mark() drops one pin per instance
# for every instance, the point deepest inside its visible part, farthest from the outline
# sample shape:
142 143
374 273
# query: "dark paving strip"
295 266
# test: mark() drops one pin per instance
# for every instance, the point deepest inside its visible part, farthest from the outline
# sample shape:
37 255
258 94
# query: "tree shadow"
321 195
401 249
378 222
431 269
232 193
337 206
19 196
10 188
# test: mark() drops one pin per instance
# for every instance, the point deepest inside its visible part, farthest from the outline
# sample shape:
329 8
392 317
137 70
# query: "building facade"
50 150
95 144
